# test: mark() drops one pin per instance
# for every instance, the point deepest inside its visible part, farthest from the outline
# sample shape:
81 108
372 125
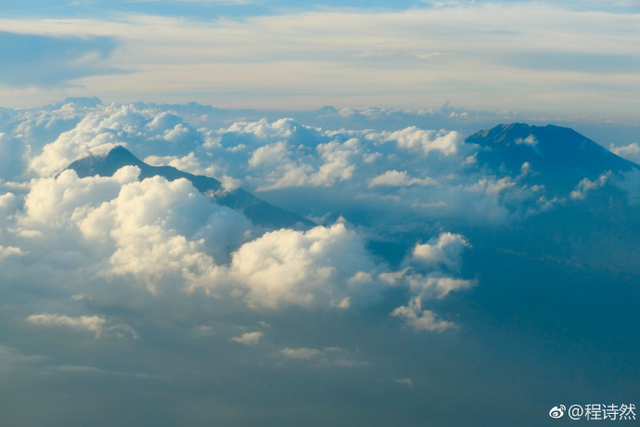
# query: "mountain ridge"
561 156
257 210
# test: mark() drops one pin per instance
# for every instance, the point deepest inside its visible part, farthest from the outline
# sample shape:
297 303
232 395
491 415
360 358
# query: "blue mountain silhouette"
257 210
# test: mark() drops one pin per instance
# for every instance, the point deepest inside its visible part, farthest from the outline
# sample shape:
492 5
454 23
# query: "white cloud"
412 138
444 250
630 152
530 140
92 132
81 297
285 165
300 353
263 129
94 324
277 155
285 155
404 381
167 237
145 131
336 164
586 185
249 338
307 58
9 251
395 178
7 200
58 202
419 319
437 286
270 155
288 267
229 2
158 232
439 254
189 163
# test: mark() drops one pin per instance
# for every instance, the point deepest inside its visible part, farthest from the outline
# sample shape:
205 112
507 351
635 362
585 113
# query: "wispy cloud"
203 2
94 324
528 56
48 61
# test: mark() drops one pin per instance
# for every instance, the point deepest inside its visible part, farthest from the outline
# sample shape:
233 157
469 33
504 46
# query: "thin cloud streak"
370 58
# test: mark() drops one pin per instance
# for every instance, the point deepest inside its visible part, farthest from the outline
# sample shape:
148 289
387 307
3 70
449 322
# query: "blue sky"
568 59
206 9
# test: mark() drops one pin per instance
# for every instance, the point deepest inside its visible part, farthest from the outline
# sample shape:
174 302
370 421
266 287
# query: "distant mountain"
601 231
257 210
559 157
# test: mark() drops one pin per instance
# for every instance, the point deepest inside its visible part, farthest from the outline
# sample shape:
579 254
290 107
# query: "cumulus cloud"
630 152
427 141
164 236
248 338
277 156
263 129
285 165
428 275
586 185
436 171
7 200
159 229
52 202
419 319
167 235
530 140
289 267
9 251
271 154
154 230
147 132
444 250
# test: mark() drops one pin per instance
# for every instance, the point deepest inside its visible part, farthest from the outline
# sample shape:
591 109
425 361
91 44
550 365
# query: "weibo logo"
557 411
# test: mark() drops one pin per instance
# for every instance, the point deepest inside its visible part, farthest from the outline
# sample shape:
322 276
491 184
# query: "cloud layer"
310 57
149 287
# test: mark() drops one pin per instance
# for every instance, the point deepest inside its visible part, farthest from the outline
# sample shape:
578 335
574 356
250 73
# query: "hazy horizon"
556 59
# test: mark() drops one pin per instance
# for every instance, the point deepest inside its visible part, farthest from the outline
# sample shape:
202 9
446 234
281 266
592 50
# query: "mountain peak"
562 156
257 210
509 133
106 163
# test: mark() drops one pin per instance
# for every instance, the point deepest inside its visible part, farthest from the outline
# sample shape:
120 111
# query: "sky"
561 59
